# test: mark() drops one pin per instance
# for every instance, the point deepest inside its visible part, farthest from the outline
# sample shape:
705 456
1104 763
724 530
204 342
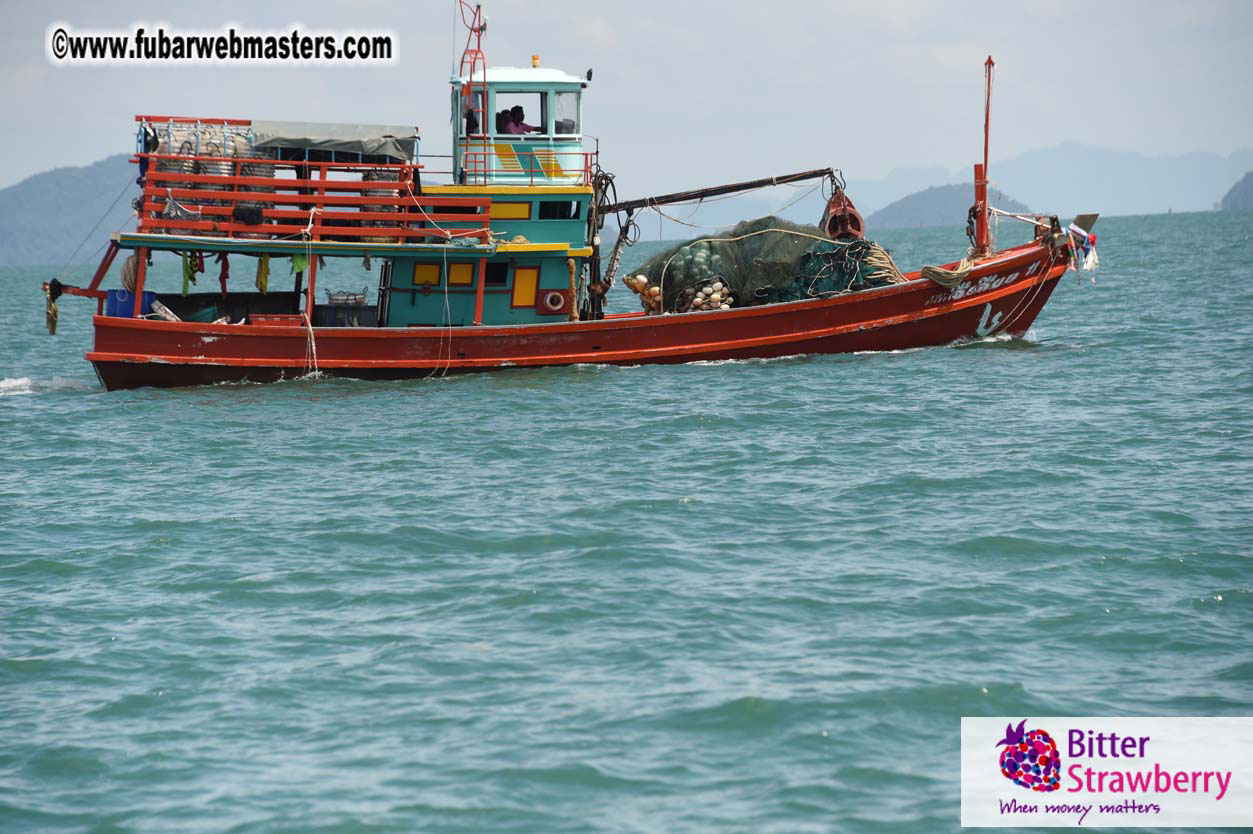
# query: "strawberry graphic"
1030 758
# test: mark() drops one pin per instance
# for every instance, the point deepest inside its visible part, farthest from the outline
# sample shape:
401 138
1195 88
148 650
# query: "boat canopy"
399 143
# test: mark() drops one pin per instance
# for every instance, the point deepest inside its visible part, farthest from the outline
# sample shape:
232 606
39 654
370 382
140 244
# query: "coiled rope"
949 278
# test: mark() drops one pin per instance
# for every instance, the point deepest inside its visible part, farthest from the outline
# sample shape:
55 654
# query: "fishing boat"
493 262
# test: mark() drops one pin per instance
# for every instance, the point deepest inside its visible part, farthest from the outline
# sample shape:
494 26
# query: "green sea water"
727 596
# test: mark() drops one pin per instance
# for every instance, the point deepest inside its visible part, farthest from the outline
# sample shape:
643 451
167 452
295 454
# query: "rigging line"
1024 304
682 222
98 222
811 190
449 234
311 347
107 240
1024 218
438 369
780 209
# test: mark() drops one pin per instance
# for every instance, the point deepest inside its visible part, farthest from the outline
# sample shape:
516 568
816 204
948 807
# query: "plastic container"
121 303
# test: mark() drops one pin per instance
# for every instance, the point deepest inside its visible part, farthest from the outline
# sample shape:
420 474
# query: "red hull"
1004 294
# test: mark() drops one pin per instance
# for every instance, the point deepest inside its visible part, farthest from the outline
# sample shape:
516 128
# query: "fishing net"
838 266
760 261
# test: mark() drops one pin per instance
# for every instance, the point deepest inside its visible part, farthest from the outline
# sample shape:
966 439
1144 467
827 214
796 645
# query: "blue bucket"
121 303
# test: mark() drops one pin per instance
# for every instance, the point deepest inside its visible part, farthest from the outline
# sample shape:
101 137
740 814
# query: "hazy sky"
693 93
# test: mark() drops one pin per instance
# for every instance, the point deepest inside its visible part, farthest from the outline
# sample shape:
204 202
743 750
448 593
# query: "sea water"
726 596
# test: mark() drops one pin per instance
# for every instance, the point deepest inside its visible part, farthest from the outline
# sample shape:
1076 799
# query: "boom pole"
717 190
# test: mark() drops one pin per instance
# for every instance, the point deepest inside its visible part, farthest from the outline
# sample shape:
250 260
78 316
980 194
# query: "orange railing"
258 198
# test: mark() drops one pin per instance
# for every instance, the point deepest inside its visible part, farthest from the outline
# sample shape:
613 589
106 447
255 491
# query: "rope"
311 349
449 234
1024 218
311 344
880 260
777 211
949 278
1025 302
440 369
51 313
848 261
97 226
307 232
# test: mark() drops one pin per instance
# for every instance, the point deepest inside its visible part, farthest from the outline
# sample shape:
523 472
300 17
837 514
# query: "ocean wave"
12 386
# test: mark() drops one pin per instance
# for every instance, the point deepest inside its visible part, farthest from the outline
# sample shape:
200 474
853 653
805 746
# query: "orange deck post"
313 285
981 209
478 291
103 268
141 272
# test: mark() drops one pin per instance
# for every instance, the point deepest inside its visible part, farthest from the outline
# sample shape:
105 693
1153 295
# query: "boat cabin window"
559 210
534 107
497 273
566 113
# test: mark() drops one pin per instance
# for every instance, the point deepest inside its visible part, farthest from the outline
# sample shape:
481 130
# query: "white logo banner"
1106 772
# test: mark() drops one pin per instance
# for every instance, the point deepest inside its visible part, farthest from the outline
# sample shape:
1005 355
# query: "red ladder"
472 60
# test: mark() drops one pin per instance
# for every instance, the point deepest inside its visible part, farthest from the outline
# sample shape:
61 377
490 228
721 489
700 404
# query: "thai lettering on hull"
987 322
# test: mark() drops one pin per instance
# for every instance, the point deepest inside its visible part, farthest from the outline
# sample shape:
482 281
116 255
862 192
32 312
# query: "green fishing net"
767 260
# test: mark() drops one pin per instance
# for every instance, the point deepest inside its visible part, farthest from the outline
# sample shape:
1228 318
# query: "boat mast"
981 171
987 108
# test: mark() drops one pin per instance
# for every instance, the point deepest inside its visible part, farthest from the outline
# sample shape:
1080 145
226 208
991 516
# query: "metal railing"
258 198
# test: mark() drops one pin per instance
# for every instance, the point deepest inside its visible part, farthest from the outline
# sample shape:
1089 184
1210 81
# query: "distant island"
944 205
50 213
1240 197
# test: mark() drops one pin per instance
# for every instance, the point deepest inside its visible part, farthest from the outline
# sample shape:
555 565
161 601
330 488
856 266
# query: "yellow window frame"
460 275
525 286
426 275
511 210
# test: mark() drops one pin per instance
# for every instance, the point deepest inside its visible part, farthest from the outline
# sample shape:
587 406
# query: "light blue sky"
694 93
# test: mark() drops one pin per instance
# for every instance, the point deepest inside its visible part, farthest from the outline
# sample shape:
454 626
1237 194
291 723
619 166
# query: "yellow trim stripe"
545 247
508 157
547 159
532 190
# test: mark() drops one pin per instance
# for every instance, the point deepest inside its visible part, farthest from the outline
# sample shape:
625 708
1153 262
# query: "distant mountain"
1071 178
868 195
944 205
50 213
1240 197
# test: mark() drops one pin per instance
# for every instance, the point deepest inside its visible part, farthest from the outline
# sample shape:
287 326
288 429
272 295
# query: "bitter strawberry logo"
1030 758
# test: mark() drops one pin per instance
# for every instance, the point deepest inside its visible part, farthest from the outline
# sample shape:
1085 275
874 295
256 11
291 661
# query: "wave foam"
12 386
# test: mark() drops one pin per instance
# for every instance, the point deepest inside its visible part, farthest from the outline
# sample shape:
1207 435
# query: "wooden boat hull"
1004 294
